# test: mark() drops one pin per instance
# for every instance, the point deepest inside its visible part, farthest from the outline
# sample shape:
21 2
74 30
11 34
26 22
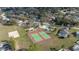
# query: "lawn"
4 31
25 41
66 42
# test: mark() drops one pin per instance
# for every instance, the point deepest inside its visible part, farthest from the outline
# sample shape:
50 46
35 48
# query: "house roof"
5 46
76 47
77 33
63 33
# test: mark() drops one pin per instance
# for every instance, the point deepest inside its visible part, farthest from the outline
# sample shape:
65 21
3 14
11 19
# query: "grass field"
4 31
25 42
66 42
23 39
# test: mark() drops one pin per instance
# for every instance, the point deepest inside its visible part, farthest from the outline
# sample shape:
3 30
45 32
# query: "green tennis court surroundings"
36 37
46 36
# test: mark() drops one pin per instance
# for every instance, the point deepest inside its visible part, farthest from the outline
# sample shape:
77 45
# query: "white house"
45 26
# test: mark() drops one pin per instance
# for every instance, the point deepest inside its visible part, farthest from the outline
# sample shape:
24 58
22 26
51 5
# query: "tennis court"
38 36
46 36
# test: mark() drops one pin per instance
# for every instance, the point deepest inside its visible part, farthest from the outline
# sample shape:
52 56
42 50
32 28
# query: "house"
77 42
75 47
31 29
45 26
22 23
5 46
76 18
63 33
36 24
63 11
19 22
5 20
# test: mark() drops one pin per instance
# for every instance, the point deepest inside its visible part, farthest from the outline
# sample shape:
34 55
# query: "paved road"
75 27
